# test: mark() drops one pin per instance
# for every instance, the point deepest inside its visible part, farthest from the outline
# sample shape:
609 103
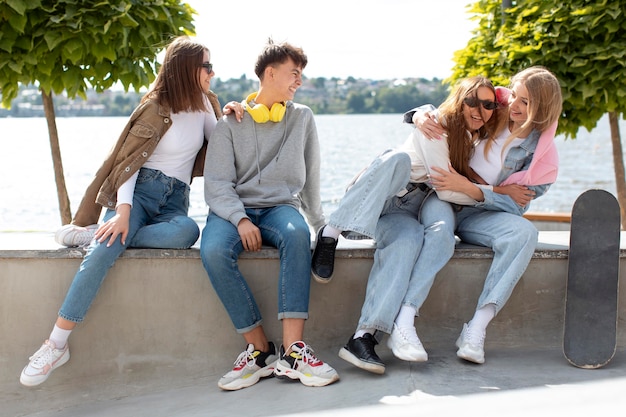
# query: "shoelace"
245 358
409 336
42 356
326 253
474 338
305 352
369 341
84 237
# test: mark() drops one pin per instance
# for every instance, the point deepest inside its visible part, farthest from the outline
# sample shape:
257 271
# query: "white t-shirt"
176 152
489 168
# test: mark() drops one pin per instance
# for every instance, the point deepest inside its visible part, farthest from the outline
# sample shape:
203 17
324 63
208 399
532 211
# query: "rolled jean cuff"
293 315
250 328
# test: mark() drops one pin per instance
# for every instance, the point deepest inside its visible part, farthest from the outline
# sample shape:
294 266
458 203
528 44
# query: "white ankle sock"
59 336
406 317
330 231
482 318
362 332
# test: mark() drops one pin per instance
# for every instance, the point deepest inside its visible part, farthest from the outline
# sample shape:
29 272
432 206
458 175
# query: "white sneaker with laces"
301 364
43 362
250 366
71 235
471 345
405 344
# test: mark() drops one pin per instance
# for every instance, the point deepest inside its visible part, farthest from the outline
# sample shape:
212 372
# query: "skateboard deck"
590 327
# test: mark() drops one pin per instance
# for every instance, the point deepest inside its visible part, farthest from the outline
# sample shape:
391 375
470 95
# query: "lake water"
348 143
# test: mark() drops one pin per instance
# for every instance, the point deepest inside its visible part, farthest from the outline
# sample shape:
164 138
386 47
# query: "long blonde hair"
545 102
451 111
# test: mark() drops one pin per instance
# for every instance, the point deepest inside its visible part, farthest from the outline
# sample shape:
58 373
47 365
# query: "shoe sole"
238 384
319 279
397 354
348 356
284 372
469 358
33 381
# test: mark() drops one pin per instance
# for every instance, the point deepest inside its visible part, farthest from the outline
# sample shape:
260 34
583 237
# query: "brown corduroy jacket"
145 128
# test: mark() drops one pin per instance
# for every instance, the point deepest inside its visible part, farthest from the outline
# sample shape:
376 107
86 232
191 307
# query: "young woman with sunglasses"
388 203
520 162
144 186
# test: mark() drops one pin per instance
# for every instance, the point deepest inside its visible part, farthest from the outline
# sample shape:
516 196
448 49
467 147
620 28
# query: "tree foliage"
583 42
72 45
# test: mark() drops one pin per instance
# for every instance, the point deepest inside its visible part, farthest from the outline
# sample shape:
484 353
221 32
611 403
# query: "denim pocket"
146 174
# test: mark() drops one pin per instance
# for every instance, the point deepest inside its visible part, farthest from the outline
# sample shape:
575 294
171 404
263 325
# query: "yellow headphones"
261 114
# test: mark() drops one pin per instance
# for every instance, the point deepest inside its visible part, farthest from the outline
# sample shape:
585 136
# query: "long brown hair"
177 84
461 142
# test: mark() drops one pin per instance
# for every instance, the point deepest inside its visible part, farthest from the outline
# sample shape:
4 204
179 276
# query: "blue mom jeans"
158 219
282 227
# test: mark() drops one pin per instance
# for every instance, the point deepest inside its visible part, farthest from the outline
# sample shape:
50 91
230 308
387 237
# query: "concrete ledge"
158 324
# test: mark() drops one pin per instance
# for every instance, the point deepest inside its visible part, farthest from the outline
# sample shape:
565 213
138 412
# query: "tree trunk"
618 163
57 163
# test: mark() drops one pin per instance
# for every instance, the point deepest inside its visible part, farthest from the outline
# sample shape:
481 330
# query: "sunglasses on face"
474 102
208 67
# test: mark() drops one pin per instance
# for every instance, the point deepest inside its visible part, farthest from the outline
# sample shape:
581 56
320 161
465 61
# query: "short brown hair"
273 54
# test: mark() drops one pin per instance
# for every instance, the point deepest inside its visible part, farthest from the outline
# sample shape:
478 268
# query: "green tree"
72 45
583 42
356 102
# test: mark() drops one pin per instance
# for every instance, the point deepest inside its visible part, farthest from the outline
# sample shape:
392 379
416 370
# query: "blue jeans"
513 240
282 227
411 248
158 219
373 194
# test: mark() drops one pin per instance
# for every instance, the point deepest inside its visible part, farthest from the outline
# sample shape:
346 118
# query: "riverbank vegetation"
323 95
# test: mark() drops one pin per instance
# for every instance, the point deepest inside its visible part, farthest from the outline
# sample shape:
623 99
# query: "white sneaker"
301 364
250 366
43 362
405 344
71 235
471 346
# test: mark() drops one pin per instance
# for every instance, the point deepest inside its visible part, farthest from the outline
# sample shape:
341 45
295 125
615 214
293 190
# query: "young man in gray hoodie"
259 173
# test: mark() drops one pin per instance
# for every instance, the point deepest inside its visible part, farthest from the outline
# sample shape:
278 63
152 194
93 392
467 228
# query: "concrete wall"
157 319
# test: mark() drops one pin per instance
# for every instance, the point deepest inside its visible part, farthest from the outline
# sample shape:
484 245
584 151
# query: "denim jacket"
145 128
518 158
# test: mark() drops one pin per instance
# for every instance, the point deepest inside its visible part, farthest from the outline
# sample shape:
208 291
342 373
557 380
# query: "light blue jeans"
373 194
414 236
411 248
513 240
282 227
158 219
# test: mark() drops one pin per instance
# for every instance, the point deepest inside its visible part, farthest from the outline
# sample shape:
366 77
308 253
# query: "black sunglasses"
208 66
474 102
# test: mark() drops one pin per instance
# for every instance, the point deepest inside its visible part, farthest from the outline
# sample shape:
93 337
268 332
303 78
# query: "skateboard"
590 327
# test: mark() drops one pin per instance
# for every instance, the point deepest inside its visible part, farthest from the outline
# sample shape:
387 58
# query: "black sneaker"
360 353
323 261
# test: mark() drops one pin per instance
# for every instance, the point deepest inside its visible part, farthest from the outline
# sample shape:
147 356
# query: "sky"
375 39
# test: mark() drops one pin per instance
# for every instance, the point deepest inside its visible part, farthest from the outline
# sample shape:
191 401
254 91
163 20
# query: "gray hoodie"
261 165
